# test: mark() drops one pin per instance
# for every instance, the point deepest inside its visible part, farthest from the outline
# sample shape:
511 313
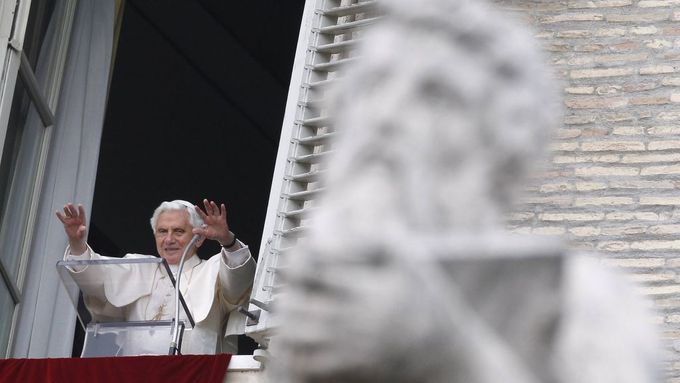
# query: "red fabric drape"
145 369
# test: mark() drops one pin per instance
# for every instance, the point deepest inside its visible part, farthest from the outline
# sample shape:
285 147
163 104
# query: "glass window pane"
36 29
22 147
18 171
6 314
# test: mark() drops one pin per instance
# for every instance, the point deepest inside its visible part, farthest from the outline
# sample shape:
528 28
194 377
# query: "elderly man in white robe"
213 288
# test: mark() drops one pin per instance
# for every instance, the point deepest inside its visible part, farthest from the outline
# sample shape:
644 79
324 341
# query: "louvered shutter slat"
332 66
351 9
320 139
339 47
331 29
306 195
346 27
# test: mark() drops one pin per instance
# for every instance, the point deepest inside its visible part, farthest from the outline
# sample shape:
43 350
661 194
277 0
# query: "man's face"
173 234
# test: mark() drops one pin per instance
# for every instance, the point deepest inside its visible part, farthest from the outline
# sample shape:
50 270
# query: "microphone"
174 349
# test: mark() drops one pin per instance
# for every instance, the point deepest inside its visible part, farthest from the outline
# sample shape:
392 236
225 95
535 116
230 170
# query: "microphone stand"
174 349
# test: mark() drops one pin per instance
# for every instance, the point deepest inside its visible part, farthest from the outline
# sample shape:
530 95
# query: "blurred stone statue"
408 274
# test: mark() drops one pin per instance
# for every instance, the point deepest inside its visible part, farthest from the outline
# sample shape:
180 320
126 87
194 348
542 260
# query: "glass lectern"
108 289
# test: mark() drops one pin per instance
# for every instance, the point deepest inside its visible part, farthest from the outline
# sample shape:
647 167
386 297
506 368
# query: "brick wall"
614 186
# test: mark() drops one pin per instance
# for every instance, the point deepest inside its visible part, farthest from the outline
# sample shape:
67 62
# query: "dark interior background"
195 108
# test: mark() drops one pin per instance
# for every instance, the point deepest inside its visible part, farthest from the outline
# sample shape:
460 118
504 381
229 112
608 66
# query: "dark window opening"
195 106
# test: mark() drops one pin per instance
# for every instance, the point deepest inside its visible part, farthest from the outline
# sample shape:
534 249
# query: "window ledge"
243 363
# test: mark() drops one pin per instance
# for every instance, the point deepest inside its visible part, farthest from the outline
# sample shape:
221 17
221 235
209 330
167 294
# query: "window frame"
14 67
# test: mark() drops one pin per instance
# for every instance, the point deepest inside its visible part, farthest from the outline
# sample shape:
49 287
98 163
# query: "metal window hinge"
15 44
262 305
253 316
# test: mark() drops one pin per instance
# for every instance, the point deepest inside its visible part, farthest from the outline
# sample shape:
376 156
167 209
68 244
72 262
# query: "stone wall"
614 184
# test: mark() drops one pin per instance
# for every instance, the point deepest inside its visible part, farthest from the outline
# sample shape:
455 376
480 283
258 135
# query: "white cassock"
212 289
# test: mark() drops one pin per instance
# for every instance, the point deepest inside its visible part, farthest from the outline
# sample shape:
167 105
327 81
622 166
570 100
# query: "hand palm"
215 220
215 225
73 227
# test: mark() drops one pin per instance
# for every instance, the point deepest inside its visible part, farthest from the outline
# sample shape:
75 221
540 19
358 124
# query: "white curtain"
46 318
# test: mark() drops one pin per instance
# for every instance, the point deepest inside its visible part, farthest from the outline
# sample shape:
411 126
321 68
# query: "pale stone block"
608 89
521 216
663 145
571 216
608 158
594 132
620 116
599 4
628 131
610 32
555 173
590 186
671 81
579 120
572 17
544 35
668 116
563 147
657 69
625 46
645 200
580 90
550 230
606 171
658 44
567 133
657 170
558 47
637 17
655 245
673 262
646 30
596 73
596 102
640 86
675 97
647 278
556 187
664 130
569 159
619 146
631 216
575 33
644 113
669 303
636 184
634 262
656 100
603 201
664 229
657 3
624 230
562 200
585 231
613 246
605 59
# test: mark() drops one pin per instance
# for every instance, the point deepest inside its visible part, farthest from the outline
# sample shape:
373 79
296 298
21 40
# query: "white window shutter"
328 35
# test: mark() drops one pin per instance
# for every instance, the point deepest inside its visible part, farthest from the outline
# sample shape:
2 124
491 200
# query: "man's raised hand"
215 219
75 226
